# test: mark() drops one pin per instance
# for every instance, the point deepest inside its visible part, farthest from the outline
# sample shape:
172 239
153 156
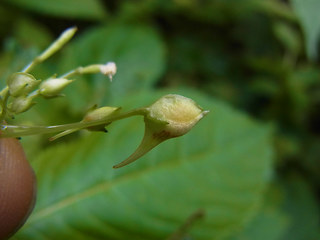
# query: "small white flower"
109 69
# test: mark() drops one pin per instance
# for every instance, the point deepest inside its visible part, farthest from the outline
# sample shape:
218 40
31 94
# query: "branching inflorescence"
170 116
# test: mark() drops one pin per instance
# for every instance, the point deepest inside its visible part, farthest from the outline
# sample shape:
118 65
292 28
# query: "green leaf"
41 37
83 9
290 211
276 8
138 52
270 223
308 14
301 205
221 166
287 36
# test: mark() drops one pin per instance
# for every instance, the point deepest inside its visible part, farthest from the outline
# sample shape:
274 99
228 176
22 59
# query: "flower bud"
58 44
109 69
21 104
53 86
171 116
99 114
21 84
94 114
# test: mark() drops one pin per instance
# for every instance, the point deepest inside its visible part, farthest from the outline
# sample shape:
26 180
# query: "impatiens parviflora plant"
169 117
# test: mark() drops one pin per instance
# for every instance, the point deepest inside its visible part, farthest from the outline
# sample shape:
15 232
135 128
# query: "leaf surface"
308 14
83 9
289 211
221 166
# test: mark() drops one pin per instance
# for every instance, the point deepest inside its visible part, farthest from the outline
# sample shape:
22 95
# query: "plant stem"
18 131
5 93
94 68
185 227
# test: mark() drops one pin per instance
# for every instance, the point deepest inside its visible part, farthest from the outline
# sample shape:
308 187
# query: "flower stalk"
17 96
169 117
22 130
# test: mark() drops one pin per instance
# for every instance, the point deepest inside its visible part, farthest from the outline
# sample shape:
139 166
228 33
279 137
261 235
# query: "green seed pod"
169 117
179 113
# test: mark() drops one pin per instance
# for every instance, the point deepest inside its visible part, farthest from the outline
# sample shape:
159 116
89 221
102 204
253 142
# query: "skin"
17 187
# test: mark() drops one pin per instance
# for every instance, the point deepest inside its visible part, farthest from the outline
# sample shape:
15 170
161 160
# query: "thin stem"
18 131
31 65
4 91
4 102
94 68
185 227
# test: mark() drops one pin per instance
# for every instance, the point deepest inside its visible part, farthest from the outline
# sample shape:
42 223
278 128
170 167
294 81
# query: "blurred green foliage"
242 60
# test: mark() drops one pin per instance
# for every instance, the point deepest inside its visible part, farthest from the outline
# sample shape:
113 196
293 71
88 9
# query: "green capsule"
169 117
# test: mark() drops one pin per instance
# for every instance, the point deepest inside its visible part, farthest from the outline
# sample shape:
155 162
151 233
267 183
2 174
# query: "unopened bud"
99 114
58 44
171 116
21 104
21 84
53 87
109 69
95 114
